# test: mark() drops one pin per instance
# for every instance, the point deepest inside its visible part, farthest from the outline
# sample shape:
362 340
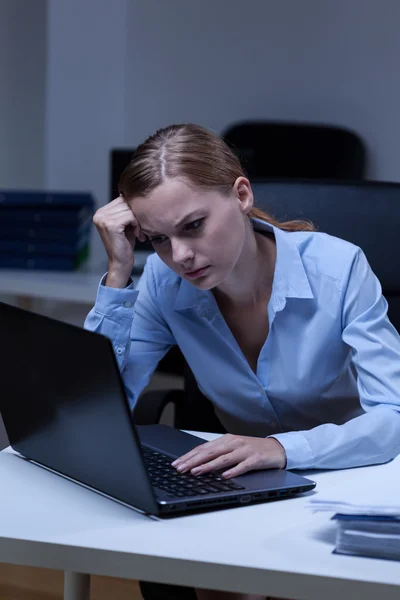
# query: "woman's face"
199 234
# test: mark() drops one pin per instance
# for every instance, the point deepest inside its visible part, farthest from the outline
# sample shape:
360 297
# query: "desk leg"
76 586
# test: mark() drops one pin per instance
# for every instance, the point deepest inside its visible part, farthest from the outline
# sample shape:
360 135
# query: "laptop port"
272 494
244 499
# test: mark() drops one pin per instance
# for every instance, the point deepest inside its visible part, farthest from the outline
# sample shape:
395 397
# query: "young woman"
284 328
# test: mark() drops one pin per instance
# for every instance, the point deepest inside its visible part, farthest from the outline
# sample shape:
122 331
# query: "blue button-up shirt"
327 384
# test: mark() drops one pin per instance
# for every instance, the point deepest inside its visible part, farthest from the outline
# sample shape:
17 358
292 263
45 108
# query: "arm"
373 437
130 318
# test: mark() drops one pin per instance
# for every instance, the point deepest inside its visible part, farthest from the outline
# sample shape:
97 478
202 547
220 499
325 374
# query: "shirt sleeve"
373 437
131 319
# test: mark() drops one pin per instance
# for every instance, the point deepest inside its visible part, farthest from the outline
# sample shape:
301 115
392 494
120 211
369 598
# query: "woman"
284 328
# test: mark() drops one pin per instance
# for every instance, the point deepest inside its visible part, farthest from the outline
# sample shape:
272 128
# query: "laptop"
65 408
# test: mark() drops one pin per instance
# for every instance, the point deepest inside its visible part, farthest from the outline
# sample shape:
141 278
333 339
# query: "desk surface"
69 286
279 548
74 286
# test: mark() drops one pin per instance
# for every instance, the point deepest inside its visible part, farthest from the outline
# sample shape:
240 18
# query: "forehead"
169 203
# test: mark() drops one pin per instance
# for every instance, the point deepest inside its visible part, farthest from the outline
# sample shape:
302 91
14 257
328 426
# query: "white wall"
119 69
22 92
85 95
80 77
214 62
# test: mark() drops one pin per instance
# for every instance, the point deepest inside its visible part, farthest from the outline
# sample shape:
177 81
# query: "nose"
181 252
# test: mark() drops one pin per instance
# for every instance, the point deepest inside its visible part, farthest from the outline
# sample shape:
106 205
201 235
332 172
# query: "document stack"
368 535
44 230
366 513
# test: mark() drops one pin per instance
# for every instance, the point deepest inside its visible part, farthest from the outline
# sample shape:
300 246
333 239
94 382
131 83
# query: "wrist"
281 458
117 278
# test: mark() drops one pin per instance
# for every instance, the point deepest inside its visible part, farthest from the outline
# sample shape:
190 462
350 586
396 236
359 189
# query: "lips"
197 273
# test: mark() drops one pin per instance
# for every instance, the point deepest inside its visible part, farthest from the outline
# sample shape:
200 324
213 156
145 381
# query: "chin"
208 283
203 284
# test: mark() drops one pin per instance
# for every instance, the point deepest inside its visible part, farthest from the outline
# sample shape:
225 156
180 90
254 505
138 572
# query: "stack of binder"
375 536
44 230
366 512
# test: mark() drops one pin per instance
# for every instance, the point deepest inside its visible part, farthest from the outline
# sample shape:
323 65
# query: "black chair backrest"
310 151
365 213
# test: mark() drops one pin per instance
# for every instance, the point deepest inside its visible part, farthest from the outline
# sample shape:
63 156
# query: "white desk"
74 286
279 549
68 286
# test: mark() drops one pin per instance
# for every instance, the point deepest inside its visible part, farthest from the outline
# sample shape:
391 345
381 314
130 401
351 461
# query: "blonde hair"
196 154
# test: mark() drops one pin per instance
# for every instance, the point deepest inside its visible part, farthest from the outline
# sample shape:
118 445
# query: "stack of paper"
367 513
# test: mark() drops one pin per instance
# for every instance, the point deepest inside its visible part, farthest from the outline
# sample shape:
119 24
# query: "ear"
244 194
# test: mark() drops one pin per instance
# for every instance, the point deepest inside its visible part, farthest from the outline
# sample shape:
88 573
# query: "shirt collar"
290 278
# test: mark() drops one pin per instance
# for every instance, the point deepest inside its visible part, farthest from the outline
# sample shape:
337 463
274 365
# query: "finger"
203 453
116 218
240 469
219 463
116 203
122 216
139 234
118 200
138 229
192 454
206 447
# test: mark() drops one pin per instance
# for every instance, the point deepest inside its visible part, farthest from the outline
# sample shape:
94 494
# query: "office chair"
365 213
297 150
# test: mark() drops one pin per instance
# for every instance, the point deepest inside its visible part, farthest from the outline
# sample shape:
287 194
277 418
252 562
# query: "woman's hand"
118 229
236 454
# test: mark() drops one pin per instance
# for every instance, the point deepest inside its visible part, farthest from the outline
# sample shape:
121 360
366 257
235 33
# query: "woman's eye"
157 240
195 225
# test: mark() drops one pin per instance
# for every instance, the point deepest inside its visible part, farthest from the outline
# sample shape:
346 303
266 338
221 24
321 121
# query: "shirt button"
119 350
127 304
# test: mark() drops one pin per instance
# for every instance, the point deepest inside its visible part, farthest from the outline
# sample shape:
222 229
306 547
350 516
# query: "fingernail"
181 468
175 463
196 470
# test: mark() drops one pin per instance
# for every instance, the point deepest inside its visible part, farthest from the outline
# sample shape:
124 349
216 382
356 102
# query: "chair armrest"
150 405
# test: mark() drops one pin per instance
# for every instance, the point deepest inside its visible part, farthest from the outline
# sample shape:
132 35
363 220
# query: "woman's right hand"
118 229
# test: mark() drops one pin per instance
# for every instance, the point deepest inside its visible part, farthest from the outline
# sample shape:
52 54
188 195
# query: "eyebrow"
179 224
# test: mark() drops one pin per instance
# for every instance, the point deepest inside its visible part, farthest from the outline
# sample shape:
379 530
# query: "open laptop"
65 408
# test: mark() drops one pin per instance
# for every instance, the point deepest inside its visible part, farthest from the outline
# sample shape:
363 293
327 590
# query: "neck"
251 279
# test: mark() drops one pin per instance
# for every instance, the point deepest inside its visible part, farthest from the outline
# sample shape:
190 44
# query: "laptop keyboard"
168 479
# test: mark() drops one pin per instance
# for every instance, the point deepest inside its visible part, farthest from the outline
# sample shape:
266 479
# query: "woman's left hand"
235 453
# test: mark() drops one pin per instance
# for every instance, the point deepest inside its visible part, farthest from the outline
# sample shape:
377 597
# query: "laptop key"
165 477
217 487
235 486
